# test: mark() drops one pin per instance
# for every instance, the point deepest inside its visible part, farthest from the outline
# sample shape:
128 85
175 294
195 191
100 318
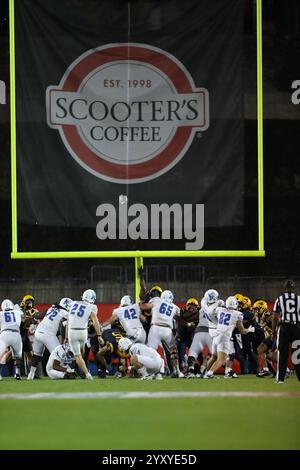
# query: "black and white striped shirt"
288 305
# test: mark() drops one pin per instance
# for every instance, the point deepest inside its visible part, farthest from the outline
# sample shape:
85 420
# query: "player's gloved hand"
251 329
141 272
70 371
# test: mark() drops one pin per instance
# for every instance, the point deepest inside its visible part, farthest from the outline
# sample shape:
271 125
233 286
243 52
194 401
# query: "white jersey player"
201 340
46 332
163 314
128 314
209 304
228 319
10 320
145 360
206 329
79 314
60 362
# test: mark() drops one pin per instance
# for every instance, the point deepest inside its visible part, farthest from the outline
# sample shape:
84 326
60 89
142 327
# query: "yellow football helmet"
260 307
243 300
247 302
155 291
27 301
192 305
239 297
192 301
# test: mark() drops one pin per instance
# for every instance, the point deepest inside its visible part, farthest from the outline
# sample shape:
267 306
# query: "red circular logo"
127 113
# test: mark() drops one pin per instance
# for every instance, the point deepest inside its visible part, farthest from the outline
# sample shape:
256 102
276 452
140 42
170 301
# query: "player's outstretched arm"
244 330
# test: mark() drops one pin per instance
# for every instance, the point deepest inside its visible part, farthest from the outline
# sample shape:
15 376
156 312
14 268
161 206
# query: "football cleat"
177 375
263 373
231 375
17 377
190 375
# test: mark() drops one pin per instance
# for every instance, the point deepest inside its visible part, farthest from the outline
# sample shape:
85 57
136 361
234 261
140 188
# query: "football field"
243 413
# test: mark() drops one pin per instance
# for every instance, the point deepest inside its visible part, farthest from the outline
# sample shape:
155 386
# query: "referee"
287 317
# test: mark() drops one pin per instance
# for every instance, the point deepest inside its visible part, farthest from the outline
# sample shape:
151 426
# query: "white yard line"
113 395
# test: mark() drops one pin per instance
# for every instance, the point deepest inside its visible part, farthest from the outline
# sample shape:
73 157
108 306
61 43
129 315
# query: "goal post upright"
137 256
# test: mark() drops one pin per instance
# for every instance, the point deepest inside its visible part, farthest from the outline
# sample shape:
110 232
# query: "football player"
144 359
163 312
79 314
146 296
109 351
128 314
187 321
209 304
10 337
228 318
267 348
60 363
250 342
28 319
46 333
201 338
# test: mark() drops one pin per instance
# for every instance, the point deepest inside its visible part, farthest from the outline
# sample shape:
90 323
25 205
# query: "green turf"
174 423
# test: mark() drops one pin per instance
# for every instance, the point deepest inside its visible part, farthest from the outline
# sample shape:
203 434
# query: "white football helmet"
89 296
7 305
124 344
65 303
126 300
211 296
232 303
168 296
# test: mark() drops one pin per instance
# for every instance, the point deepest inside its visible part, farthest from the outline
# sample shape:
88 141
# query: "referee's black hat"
289 285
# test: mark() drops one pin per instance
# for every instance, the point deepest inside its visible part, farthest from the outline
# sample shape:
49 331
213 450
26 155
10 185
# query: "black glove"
142 272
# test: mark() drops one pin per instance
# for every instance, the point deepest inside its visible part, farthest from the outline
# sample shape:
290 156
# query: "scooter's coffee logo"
127 113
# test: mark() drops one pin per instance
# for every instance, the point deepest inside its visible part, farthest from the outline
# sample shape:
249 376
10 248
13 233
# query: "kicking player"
79 314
